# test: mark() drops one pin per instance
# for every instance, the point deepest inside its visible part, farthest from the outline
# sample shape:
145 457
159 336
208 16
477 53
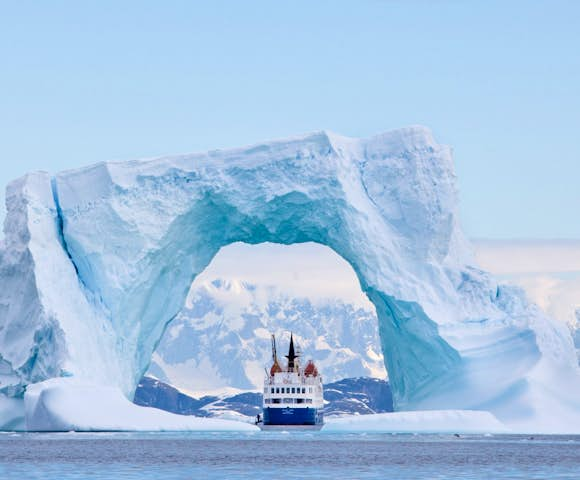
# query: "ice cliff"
97 261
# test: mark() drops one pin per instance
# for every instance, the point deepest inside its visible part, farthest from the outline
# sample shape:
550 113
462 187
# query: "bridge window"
303 389
293 390
277 390
272 390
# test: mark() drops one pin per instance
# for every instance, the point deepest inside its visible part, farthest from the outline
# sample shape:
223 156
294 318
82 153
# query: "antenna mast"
274 354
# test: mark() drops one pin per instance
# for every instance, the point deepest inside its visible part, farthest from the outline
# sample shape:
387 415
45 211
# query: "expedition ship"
292 396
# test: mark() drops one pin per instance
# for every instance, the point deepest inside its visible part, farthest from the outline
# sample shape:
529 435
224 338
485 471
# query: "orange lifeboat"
310 370
275 368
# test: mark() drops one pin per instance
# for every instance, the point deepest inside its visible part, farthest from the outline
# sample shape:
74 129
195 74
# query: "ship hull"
289 428
292 416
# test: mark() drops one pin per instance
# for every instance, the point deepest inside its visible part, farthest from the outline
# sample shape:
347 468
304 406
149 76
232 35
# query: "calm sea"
299 455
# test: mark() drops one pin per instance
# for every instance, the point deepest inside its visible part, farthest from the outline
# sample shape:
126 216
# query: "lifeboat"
275 368
310 370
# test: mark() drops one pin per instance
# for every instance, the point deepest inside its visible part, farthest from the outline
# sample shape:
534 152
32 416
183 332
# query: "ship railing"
302 379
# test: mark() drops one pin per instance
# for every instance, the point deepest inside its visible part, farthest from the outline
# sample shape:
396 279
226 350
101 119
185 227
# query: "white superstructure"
294 395
296 389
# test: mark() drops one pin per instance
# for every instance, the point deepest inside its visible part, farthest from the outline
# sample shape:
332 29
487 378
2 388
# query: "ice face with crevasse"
97 261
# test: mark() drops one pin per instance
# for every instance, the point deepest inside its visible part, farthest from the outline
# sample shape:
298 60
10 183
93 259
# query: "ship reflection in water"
293 396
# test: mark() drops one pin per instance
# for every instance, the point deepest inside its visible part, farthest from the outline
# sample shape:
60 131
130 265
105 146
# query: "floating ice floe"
436 421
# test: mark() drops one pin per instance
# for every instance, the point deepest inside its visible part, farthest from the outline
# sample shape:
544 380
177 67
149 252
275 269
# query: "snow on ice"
434 421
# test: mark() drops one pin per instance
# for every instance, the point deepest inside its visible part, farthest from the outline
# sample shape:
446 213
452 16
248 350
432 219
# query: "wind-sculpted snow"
99 260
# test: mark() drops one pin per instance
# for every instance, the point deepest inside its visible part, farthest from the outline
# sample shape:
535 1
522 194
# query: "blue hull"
292 416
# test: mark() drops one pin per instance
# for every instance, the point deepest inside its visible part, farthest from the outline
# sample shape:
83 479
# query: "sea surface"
296 455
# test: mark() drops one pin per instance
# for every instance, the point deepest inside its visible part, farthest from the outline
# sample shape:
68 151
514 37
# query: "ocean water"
297 455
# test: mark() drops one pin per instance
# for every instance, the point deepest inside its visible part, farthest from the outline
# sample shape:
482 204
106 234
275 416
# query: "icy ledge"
435 421
62 405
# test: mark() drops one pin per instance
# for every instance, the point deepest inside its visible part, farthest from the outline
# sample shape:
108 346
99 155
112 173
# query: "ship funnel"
292 356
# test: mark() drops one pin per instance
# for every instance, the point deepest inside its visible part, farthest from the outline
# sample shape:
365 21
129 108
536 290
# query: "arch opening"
415 361
220 339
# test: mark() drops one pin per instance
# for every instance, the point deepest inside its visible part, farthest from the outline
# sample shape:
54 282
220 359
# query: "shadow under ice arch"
109 253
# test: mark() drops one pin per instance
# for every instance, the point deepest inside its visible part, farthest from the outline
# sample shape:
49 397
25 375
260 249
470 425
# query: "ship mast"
274 354
275 365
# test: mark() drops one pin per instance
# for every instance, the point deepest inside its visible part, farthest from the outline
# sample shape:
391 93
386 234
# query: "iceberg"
97 261
54 406
431 421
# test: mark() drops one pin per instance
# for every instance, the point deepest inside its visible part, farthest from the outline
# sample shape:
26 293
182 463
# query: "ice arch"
98 260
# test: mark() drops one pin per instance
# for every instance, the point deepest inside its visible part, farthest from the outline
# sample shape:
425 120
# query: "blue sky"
87 81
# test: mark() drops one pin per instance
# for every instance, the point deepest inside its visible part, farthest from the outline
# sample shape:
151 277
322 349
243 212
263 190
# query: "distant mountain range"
347 396
221 339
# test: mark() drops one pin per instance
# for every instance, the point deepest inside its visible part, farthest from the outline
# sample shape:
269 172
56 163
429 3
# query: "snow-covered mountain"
349 396
221 338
